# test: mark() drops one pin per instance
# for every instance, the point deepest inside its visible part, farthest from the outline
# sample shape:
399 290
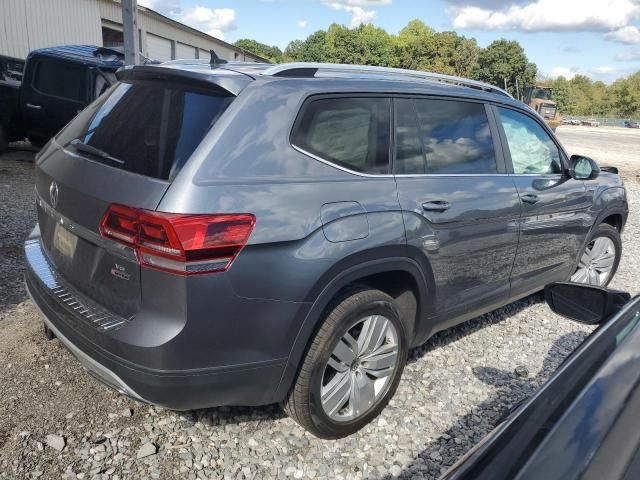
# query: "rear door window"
454 138
350 132
150 128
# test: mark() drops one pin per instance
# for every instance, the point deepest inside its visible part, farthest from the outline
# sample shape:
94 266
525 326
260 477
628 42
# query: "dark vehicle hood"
568 428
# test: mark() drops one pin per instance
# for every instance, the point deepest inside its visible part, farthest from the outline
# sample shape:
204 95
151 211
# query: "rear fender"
327 288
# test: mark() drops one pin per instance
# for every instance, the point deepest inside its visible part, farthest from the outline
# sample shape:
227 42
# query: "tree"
294 51
419 47
465 57
271 53
561 94
504 62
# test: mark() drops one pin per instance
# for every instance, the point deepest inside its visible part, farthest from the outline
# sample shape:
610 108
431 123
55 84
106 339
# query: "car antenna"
215 61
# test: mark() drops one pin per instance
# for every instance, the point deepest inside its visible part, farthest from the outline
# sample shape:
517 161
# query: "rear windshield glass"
145 127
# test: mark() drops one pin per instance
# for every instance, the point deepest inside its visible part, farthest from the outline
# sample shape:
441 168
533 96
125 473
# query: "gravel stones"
146 450
56 442
454 390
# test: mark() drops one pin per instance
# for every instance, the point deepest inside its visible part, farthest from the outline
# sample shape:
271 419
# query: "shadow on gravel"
220 416
510 390
458 332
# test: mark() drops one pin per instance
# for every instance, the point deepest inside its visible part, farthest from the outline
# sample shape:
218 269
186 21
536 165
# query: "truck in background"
41 95
540 99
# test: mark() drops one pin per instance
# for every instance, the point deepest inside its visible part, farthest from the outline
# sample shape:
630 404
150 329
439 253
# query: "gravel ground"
57 422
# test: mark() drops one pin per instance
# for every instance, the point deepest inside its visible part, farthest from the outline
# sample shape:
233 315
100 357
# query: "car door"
555 220
460 208
56 91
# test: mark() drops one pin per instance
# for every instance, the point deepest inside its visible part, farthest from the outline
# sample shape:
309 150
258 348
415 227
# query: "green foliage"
583 97
419 47
273 53
504 63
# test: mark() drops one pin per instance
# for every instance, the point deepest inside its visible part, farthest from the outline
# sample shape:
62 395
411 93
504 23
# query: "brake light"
179 243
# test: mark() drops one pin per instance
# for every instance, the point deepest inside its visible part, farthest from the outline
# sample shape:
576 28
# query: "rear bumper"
246 384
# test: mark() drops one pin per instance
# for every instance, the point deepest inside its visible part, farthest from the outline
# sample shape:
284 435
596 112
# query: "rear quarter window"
350 132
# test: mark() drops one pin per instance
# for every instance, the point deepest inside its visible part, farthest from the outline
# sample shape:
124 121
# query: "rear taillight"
185 244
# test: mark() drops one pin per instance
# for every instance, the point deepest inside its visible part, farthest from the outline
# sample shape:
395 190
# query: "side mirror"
583 168
584 303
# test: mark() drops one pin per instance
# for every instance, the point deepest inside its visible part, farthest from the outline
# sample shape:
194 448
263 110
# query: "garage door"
205 54
158 48
185 51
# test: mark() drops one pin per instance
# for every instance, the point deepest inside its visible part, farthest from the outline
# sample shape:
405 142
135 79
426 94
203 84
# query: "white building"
26 25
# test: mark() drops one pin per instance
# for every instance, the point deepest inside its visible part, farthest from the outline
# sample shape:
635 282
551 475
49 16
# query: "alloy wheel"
359 368
596 262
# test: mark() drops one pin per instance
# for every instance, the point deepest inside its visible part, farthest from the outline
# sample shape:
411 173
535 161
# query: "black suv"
247 234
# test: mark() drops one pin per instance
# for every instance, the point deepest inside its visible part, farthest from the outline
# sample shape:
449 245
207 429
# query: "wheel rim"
359 368
596 262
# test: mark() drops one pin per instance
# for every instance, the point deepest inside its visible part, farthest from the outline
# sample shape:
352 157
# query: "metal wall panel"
29 24
159 48
185 51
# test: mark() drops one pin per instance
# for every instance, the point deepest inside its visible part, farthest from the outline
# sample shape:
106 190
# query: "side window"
350 132
61 79
409 158
456 138
532 150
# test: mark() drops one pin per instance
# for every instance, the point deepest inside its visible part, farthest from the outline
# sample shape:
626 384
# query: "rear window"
147 128
350 132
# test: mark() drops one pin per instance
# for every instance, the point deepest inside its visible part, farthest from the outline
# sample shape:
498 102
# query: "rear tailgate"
125 149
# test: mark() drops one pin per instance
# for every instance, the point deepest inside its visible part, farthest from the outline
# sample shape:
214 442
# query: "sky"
598 38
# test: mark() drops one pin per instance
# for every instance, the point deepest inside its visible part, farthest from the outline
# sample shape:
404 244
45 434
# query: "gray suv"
244 234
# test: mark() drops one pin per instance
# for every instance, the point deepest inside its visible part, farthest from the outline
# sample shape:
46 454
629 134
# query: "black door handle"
435 206
529 198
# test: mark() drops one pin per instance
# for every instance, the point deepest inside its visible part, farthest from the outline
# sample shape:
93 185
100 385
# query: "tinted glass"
409 158
152 128
350 132
456 137
61 79
532 150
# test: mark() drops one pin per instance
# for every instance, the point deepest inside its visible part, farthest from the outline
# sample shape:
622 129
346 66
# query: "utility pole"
130 32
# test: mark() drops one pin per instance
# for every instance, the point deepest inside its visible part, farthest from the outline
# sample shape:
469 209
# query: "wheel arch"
343 275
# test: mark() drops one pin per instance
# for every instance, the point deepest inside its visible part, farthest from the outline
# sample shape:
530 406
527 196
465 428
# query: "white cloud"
565 72
629 34
302 24
548 15
632 55
165 7
214 21
358 14
605 73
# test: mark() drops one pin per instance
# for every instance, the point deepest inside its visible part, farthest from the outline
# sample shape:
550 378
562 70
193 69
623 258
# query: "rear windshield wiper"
86 148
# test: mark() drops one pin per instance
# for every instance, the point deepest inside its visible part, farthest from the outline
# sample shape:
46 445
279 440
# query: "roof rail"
311 69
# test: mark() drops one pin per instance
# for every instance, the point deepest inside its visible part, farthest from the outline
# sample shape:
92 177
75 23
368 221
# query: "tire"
4 142
356 312
609 237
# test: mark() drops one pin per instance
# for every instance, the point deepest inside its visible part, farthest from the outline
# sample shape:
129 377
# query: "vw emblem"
53 194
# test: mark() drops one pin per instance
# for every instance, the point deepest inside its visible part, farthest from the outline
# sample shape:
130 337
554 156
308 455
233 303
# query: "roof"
234 76
111 58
